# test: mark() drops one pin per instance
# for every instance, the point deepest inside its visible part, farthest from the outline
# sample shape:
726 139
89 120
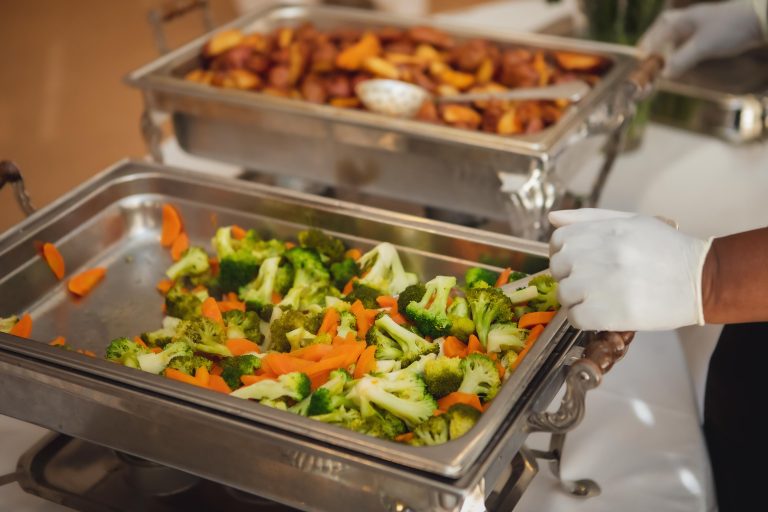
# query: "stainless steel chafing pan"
113 220
503 178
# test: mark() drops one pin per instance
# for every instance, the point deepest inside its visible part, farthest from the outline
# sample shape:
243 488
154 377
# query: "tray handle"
171 10
10 174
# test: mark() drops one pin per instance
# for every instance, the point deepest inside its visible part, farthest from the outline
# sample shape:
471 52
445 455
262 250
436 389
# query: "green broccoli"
203 335
443 376
475 275
125 352
330 395
157 362
364 294
300 338
519 311
330 249
383 270
183 304
408 342
347 324
311 281
462 325
412 293
507 360
163 336
405 397
239 260
288 321
431 432
461 418
417 366
430 313
381 424
6 324
243 325
294 386
344 270
257 294
547 297
235 367
505 336
190 364
193 262
488 305
284 279
481 377
386 347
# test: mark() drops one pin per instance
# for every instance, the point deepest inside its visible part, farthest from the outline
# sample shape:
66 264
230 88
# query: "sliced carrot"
438 412
364 318
217 369
84 352
156 350
210 310
54 259
229 305
281 363
457 397
214 263
503 277
318 379
247 380
140 342
454 347
366 363
499 366
240 346
330 322
203 376
534 334
84 282
329 363
398 318
474 345
180 376
216 383
179 245
58 341
171 225
386 301
231 297
404 438
289 245
23 328
349 286
338 340
353 253
276 298
164 285
238 233
313 352
535 318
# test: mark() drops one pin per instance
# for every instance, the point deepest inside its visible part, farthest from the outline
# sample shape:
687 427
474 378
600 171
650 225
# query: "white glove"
619 271
705 31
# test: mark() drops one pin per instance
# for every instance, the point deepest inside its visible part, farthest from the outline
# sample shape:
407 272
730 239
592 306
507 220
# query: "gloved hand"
619 271
705 31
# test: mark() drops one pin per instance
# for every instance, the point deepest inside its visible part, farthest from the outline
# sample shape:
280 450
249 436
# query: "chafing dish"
113 220
515 179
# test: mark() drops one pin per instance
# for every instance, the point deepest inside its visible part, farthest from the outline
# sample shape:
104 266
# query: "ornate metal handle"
603 350
10 173
172 10
642 79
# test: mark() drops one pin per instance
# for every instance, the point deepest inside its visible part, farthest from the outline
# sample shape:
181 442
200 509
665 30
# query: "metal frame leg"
585 487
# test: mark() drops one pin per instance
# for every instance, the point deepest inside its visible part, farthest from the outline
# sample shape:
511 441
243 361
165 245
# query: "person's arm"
735 279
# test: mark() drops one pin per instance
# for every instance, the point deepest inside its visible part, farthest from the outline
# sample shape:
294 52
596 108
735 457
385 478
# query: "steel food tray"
113 220
402 159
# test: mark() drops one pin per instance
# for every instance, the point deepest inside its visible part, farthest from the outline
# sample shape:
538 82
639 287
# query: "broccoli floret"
6 324
507 360
481 377
519 311
157 362
190 364
523 295
257 294
488 305
125 351
300 338
346 417
364 294
239 260
505 337
311 281
330 248
330 395
162 337
284 279
403 396
295 386
386 347
443 376
242 324
475 275
203 335
183 304
278 404
462 325
344 270
288 321
383 270
381 424
430 313
547 297
412 293
347 324
417 366
461 418
431 432
409 343
193 262
235 367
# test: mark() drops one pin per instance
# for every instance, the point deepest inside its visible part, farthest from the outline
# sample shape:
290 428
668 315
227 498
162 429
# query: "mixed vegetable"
340 336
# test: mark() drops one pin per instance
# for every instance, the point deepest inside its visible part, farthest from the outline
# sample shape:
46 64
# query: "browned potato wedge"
460 114
457 79
345 102
578 61
222 42
509 124
200 76
381 68
352 58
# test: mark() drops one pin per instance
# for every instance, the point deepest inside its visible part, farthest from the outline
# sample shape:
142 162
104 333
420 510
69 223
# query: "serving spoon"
404 99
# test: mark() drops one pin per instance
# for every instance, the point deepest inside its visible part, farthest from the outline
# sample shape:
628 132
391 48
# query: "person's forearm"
735 279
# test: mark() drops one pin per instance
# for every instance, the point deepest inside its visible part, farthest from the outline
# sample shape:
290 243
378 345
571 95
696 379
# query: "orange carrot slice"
171 225
247 380
175 374
474 346
330 322
179 245
231 305
349 286
58 341
386 301
240 346
503 277
54 259
281 363
216 383
453 347
210 309
354 253
202 376
457 397
404 438
23 328
533 335
140 342
82 283
535 318
366 363
164 285
238 233
313 352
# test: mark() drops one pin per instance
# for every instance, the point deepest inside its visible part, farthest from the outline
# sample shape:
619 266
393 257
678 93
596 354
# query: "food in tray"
325 66
326 331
